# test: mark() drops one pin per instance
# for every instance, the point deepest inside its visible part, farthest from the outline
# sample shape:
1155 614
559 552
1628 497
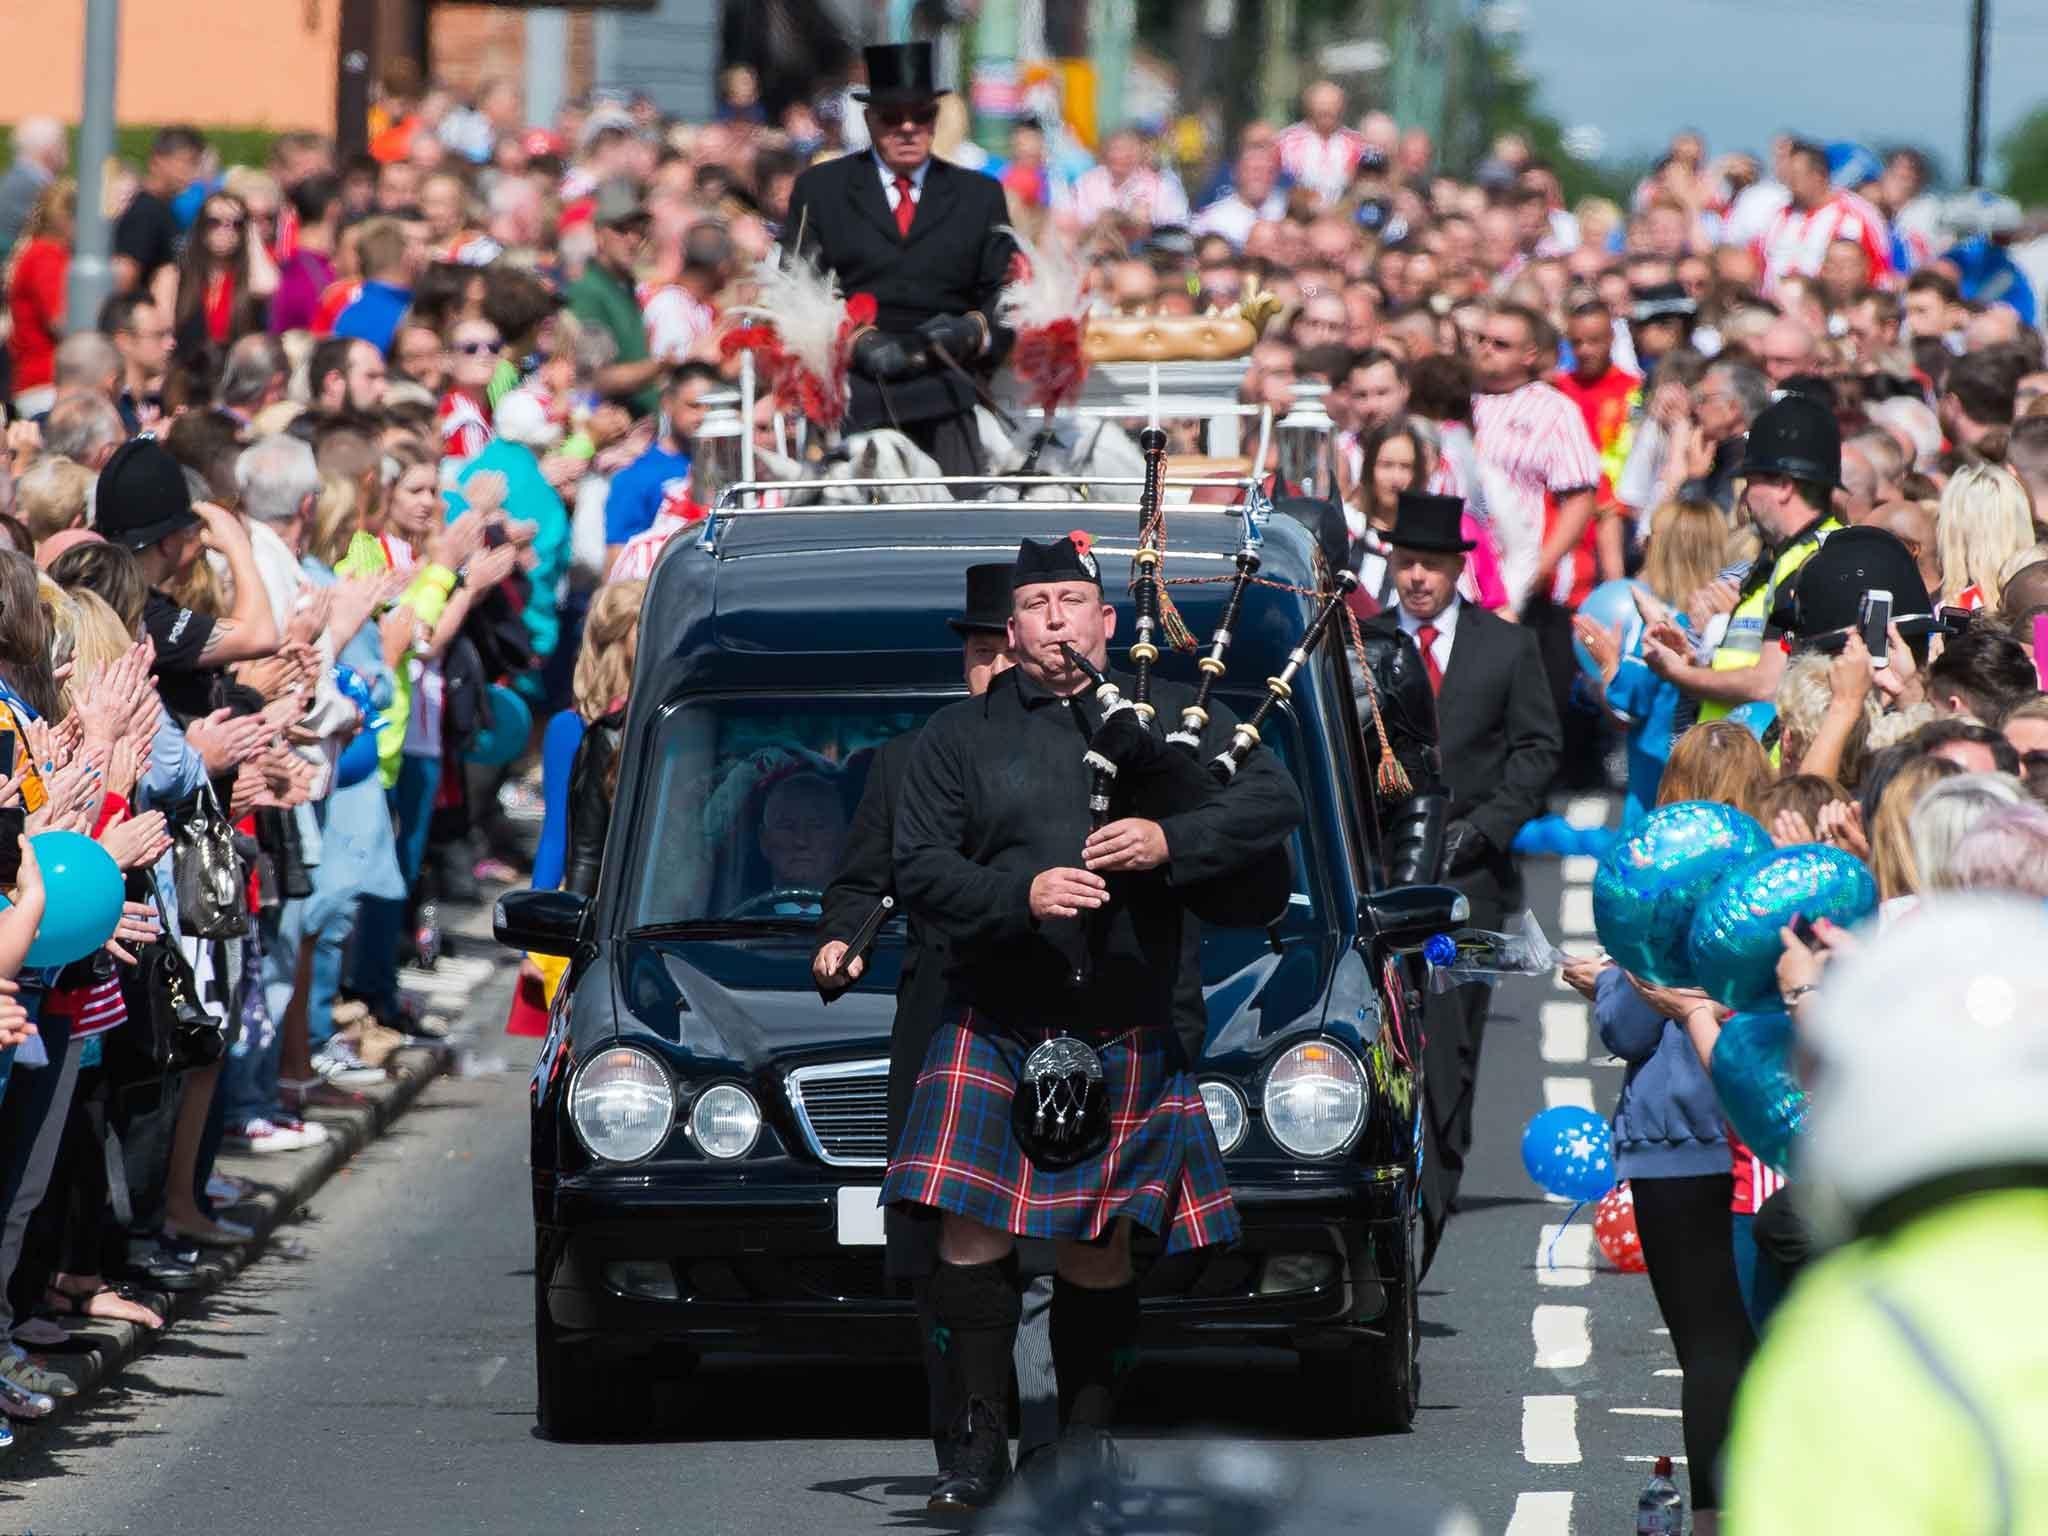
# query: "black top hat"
1827 593
1661 301
1796 436
142 498
1430 524
1067 559
898 73
988 601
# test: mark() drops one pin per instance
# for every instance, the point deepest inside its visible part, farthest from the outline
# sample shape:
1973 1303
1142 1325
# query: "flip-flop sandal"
81 1305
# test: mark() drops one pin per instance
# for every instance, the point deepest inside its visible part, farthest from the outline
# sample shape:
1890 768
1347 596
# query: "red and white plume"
802 334
1045 303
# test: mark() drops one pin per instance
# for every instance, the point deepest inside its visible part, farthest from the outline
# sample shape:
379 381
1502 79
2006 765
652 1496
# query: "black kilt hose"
995 794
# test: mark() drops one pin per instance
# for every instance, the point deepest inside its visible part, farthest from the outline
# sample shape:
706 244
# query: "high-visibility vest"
1744 642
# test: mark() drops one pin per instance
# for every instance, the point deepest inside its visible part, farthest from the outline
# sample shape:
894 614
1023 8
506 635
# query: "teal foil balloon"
1753 1076
1650 882
1736 943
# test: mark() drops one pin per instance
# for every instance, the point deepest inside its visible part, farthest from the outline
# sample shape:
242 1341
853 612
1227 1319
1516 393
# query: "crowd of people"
356 442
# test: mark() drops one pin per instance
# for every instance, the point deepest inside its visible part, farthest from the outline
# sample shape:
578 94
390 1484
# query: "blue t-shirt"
375 314
638 491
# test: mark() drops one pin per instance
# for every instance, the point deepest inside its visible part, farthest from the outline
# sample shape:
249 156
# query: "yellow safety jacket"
1749 624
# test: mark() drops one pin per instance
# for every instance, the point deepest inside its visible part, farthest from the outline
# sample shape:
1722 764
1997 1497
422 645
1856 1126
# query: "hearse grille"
842 1108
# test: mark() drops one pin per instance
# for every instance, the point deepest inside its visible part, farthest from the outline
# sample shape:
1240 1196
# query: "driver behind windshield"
803 830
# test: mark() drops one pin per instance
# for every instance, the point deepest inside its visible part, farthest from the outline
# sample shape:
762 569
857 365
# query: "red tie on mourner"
1426 637
906 205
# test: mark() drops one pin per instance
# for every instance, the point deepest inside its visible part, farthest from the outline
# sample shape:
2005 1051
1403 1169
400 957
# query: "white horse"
884 454
1067 446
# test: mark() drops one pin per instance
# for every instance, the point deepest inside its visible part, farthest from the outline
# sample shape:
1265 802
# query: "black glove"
878 355
960 336
1465 848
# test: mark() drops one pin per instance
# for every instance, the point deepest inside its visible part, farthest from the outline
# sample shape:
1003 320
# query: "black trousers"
1584 730
1688 1246
953 441
1454 1025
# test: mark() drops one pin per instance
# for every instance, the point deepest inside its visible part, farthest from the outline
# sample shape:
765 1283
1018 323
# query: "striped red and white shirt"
1797 240
1323 165
1534 450
676 320
679 510
1755 1181
1153 197
464 428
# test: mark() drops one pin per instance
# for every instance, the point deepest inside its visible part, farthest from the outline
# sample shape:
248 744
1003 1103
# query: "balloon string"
1570 1216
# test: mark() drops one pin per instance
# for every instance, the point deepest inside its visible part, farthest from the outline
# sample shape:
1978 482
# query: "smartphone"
1956 621
7 755
1802 925
1875 620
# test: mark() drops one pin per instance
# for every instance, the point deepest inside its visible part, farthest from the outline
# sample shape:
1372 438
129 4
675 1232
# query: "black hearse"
708 1136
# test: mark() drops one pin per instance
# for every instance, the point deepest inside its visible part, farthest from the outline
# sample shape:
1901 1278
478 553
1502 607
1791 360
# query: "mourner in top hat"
866 874
1066 952
923 236
1500 741
1660 321
1790 471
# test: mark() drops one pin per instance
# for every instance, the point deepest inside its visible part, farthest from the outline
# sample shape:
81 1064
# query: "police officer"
1791 470
866 874
923 237
1058 932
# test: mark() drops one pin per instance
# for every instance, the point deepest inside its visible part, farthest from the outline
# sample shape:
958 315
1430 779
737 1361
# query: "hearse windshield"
748 806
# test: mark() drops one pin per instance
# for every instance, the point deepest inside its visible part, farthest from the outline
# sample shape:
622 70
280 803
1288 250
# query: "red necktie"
906 205
1426 637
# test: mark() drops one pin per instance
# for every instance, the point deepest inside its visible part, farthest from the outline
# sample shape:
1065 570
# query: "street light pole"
92 269
1980 60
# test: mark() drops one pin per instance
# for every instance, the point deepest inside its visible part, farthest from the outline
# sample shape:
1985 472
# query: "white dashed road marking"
1647 1413
1576 917
1550 1431
1576 1092
1565 1027
1573 1251
1579 869
1563 1342
1541 1514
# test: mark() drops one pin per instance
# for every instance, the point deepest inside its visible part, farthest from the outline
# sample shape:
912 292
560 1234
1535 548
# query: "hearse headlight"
1227 1115
622 1104
725 1121
1315 1099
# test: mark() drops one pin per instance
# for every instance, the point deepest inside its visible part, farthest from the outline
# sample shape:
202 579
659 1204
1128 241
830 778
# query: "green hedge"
237 146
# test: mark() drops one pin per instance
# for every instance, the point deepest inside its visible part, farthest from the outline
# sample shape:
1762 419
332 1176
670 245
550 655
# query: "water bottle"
1661 1509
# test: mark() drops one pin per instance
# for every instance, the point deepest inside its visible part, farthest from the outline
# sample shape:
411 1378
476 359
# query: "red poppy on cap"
1082 540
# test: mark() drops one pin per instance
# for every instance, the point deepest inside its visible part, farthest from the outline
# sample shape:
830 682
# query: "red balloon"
1614 1229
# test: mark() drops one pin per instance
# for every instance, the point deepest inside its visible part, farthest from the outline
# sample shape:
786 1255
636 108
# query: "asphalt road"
381 1379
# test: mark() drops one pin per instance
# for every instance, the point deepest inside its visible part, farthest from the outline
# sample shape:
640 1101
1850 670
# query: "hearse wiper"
726 928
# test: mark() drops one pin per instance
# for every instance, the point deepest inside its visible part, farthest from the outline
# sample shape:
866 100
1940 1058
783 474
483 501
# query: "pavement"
376 1373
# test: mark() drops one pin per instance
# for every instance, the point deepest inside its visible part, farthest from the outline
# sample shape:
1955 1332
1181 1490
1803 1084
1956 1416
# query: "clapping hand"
139 841
310 620
1789 828
1602 643
225 740
15 1025
139 924
1841 824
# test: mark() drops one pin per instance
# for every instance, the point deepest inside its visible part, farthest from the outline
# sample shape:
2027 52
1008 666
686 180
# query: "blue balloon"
82 898
1851 165
349 683
1756 716
505 732
1651 880
1609 604
357 762
1735 942
1759 1093
1570 1152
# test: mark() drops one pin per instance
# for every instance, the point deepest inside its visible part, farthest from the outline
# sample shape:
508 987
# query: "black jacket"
997 793
1497 728
590 802
953 262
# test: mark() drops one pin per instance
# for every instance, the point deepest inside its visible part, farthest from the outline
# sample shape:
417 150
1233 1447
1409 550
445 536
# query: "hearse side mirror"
1404 919
539 922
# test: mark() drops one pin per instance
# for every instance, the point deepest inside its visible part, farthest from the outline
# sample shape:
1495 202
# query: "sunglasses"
479 348
906 117
217 221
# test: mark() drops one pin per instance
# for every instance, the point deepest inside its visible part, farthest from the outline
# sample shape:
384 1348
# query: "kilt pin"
1162 1167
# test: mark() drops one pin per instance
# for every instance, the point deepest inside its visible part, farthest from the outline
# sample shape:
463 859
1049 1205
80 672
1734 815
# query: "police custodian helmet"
1796 436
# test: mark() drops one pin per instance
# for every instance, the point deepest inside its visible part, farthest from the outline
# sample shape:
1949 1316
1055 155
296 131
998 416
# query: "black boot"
975 1308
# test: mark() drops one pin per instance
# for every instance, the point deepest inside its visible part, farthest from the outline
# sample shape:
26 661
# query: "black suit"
954 261
1501 742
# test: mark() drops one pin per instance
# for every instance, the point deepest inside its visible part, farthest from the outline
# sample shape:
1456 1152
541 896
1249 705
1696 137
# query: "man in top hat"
1500 743
1054 931
866 874
1660 321
922 236
1791 469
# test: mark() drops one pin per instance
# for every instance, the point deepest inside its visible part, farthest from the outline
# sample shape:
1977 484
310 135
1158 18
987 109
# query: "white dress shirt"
889 183
1446 631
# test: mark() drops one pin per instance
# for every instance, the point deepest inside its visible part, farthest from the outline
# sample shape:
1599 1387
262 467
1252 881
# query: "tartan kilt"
1161 1168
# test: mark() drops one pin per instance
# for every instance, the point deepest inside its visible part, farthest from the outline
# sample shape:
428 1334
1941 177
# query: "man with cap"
604 297
866 874
1500 742
143 504
1660 321
1069 943
923 237
1791 469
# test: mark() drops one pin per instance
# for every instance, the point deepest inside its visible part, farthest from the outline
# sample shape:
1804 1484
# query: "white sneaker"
311 1132
339 1064
263 1137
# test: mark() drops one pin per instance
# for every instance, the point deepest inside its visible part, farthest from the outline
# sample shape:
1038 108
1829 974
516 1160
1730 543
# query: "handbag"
212 901
162 995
